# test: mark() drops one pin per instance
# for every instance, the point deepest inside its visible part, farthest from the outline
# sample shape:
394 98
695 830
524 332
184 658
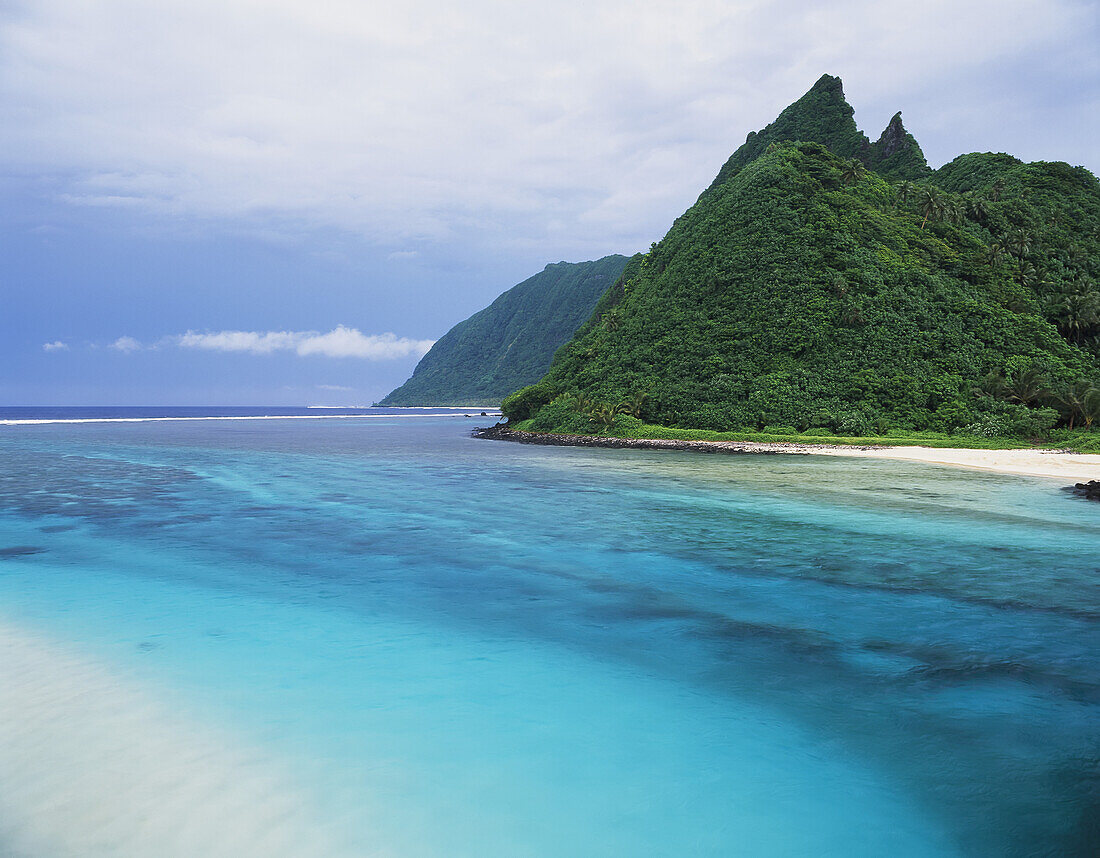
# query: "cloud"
334 387
403 254
55 346
241 341
429 120
348 342
125 345
341 342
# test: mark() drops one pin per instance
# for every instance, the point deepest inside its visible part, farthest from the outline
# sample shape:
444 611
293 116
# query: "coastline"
1050 464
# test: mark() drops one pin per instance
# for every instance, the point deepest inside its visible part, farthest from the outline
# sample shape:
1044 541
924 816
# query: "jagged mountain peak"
823 115
894 132
829 83
896 154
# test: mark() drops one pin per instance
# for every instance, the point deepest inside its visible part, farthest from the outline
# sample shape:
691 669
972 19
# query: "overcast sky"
287 201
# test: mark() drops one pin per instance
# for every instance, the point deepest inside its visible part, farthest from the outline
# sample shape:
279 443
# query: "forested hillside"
805 290
512 341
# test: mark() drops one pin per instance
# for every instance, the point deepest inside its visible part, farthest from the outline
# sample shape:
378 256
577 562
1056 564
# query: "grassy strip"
1088 442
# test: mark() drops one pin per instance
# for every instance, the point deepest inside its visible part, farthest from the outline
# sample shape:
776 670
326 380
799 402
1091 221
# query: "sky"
285 202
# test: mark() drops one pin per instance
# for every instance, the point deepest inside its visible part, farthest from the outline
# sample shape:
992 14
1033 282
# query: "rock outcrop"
1088 491
896 154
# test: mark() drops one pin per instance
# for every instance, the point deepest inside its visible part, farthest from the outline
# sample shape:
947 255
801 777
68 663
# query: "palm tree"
1080 313
1030 276
605 415
1090 411
952 211
905 192
995 254
1019 243
931 206
1077 400
635 406
993 385
977 207
1028 387
1076 312
853 171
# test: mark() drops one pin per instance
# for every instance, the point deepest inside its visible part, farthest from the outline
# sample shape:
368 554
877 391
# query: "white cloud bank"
125 345
55 346
578 123
341 342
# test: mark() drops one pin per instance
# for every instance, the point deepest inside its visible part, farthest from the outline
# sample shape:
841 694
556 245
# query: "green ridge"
512 341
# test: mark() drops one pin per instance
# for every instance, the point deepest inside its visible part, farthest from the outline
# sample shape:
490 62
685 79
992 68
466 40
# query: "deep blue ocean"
377 636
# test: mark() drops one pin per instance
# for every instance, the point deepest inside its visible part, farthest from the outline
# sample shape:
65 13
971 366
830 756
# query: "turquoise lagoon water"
383 637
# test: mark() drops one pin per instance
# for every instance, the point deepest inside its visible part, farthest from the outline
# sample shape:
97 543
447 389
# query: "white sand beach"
1067 467
1063 465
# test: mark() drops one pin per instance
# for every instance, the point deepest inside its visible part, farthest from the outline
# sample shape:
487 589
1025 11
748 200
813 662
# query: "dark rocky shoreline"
1088 491
503 433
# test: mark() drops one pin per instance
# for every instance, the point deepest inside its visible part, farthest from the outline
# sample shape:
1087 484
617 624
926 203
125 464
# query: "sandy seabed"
91 766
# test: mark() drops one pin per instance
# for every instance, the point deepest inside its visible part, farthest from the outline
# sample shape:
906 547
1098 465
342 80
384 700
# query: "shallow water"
392 639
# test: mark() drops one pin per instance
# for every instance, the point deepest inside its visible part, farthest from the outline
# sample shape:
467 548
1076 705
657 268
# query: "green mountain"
512 341
805 290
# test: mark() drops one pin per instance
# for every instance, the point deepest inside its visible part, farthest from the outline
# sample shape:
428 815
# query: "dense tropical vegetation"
512 341
828 286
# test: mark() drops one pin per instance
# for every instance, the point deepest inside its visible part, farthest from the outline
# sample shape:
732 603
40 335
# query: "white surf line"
44 420
91 766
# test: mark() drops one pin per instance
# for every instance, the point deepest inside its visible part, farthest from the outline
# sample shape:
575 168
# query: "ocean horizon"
227 635
15 415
